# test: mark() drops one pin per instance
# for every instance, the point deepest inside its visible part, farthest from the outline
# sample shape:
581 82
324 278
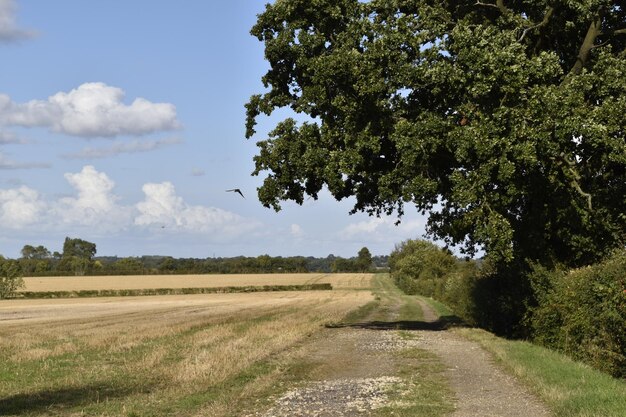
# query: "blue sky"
122 123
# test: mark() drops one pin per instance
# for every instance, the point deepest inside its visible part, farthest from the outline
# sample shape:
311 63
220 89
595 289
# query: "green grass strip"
170 291
569 388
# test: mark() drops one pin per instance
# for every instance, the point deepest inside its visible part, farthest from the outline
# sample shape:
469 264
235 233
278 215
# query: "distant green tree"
264 263
77 255
168 265
10 277
364 260
128 266
39 252
79 248
343 265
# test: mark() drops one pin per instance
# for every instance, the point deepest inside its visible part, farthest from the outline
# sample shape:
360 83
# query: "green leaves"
10 277
473 107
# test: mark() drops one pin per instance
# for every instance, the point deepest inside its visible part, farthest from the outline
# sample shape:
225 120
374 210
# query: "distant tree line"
78 258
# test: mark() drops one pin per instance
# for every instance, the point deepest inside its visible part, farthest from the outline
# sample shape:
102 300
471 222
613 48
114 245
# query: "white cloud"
296 230
91 110
7 163
95 204
119 147
95 208
197 172
8 29
382 229
10 138
163 207
20 207
364 227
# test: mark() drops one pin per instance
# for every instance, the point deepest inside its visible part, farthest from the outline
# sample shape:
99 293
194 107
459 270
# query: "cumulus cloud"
95 204
163 207
118 148
9 31
381 228
91 110
20 207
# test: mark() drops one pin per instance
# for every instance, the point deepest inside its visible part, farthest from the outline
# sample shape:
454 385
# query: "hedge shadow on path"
442 323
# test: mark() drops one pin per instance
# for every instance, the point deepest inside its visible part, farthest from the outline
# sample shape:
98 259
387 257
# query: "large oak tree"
503 119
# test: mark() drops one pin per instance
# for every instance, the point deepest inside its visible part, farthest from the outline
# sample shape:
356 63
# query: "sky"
122 123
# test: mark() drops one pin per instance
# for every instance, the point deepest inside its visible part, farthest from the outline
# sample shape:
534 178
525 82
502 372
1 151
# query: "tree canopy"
79 248
32 252
503 119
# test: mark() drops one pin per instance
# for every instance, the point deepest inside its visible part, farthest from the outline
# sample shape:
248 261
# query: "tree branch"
546 19
499 5
575 177
585 49
479 3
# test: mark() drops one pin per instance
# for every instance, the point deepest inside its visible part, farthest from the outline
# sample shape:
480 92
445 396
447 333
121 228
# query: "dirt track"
482 389
358 366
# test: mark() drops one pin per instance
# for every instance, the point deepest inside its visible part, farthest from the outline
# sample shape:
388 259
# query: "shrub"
421 267
458 291
10 277
583 313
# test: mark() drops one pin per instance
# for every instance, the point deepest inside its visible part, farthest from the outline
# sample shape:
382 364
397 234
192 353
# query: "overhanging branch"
585 49
499 5
546 19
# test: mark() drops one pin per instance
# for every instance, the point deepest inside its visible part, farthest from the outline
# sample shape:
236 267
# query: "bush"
493 297
458 291
583 313
10 278
421 267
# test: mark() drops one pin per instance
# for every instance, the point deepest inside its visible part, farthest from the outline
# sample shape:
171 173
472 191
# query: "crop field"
178 355
138 282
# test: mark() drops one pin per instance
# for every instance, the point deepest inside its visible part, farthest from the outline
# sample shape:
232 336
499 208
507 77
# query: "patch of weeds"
424 392
358 315
410 311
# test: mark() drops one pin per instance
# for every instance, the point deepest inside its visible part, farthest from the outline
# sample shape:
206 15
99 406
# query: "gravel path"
357 367
481 388
353 373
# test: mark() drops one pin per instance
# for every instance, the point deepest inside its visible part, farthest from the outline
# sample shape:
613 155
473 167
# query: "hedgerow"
583 313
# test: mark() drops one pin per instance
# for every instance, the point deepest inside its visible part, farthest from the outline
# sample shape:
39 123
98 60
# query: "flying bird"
236 190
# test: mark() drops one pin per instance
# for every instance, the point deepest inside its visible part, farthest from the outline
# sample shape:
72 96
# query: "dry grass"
137 282
164 355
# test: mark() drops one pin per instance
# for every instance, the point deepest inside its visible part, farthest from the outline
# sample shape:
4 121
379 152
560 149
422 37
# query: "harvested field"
161 355
138 282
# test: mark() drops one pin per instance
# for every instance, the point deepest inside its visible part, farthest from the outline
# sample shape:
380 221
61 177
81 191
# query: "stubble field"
138 282
158 355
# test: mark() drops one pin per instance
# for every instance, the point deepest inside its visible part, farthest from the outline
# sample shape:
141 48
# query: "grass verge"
567 387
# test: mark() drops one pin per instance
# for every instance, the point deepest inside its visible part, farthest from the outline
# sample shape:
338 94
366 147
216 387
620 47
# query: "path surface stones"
356 368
